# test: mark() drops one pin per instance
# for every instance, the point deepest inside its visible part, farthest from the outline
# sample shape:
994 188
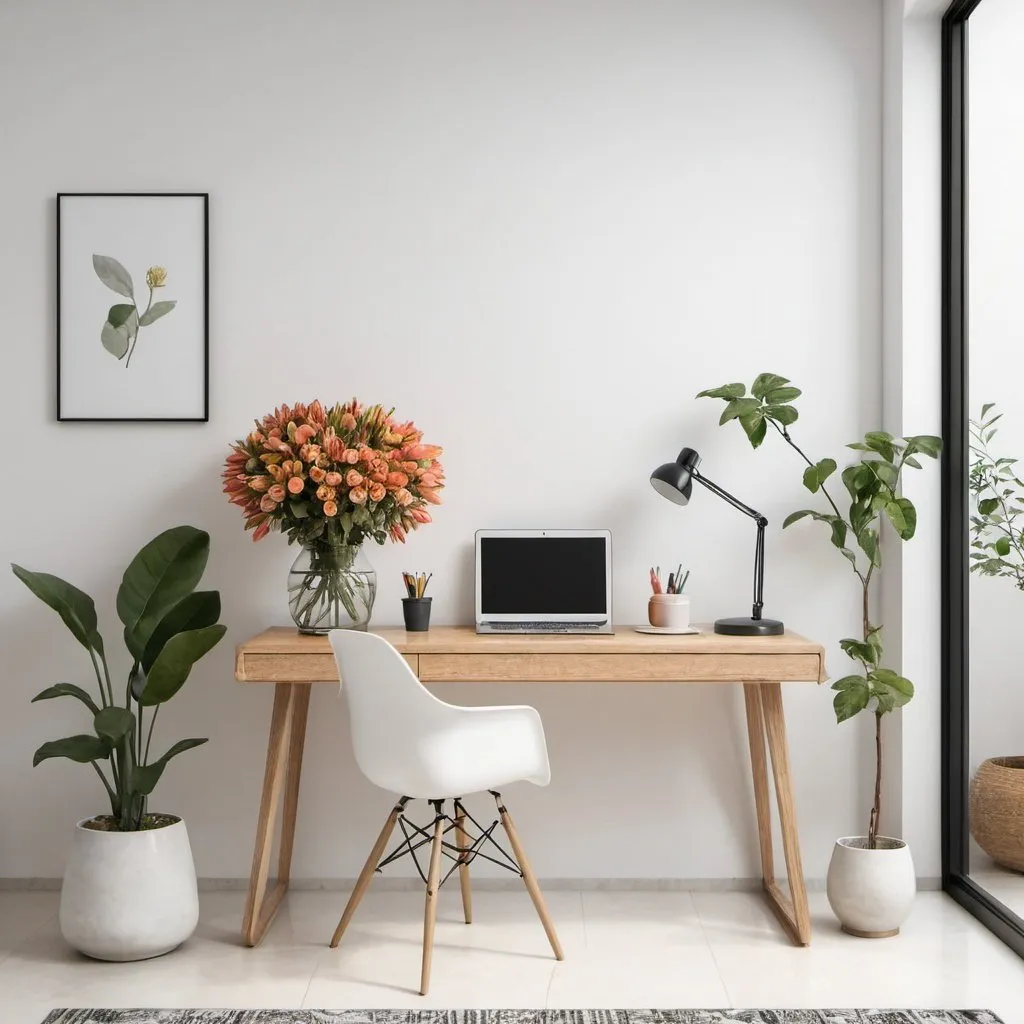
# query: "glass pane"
995 218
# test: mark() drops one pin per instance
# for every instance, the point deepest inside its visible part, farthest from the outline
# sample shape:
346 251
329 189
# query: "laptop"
543 581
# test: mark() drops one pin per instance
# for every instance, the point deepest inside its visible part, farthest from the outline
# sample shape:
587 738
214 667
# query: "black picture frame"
956 880
61 414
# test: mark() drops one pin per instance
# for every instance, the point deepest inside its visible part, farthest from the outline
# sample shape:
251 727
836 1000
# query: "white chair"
407 741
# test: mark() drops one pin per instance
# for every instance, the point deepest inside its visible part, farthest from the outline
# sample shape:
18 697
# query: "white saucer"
668 630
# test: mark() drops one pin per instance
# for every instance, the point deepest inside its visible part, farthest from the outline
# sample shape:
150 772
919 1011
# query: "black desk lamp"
674 481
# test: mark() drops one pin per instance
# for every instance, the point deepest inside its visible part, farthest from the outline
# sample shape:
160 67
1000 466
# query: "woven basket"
997 810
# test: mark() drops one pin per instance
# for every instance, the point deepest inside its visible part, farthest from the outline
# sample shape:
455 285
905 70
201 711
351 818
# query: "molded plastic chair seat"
408 741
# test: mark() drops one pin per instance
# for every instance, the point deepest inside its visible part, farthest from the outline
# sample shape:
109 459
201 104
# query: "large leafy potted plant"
129 887
871 881
997 549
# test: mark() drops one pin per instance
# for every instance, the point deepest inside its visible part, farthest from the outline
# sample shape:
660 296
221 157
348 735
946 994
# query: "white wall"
536 229
996 262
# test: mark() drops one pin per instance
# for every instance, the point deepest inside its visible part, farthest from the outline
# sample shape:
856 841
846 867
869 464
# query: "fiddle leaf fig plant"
997 537
872 486
168 627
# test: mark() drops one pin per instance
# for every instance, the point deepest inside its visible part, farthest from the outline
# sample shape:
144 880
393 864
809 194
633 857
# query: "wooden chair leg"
462 839
430 906
365 876
528 877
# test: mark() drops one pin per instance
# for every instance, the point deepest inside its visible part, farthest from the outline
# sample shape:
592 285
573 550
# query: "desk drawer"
618 668
294 668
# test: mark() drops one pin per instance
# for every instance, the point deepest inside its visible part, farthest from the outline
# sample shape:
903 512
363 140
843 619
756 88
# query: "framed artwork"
132 306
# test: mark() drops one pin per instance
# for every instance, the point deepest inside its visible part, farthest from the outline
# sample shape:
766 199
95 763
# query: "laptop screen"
543 576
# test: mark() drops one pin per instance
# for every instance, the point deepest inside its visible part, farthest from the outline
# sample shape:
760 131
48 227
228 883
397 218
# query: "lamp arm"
759 544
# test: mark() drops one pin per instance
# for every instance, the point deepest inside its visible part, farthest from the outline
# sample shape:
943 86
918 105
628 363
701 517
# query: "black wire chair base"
416 837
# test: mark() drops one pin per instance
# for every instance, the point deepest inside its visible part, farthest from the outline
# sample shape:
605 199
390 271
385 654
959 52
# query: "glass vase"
331 587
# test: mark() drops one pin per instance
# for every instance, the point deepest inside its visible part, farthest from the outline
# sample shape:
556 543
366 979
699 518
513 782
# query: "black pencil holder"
417 613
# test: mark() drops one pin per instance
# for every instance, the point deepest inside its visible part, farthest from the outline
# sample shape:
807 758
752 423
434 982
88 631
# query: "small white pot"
129 895
871 891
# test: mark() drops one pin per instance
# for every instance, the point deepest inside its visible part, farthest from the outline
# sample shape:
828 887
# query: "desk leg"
765 716
283 771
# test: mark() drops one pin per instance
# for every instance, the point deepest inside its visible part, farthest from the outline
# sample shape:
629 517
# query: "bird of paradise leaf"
120 332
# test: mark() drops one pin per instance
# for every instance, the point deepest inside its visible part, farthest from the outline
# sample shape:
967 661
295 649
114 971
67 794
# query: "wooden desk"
293 663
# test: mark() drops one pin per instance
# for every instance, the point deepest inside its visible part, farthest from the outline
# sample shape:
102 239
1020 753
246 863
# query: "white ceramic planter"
129 895
871 891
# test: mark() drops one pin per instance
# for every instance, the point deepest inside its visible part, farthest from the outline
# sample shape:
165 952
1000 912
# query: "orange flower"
276 472
429 494
428 480
317 474
348 422
353 478
261 531
295 485
397 534
267 503
310 452
259 483
334 479
276 493
330 508
304 433
377 491
423 451
379 477
403 497
351 456
326 493
410 466
395 480
335 448
357 496
421 515
315 414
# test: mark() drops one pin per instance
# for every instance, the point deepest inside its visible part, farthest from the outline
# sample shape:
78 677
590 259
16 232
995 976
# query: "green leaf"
861 650
816 475
119 314
838 532
755 427
903 516
986 407
74 606
145 777
113 275
78 748
911 461
727 391
852 696
159 576
113 724
738 407
67 690
115 340
785 414
867 541
174 663
927 444
157 310
194 611
894 681
767 382
796 516
299 509
986 506
782 395
1003 546
885 472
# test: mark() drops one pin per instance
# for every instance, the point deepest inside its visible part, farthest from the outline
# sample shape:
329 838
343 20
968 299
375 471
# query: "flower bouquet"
330 479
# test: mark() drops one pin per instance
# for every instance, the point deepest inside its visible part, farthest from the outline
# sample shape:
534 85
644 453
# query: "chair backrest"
390 711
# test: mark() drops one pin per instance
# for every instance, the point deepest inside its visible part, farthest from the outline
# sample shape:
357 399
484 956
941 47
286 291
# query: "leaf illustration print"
120 332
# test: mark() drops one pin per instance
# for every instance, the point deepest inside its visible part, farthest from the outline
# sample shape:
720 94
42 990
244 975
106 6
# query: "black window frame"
956 880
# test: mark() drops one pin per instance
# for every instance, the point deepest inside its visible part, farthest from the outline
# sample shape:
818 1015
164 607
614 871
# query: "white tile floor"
622 949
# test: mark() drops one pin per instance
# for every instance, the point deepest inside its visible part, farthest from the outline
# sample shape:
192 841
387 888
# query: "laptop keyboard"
545 627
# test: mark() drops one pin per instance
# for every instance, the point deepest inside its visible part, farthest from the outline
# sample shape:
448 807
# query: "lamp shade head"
674 480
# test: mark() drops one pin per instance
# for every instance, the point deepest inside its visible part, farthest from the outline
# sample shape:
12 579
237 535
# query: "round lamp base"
744 626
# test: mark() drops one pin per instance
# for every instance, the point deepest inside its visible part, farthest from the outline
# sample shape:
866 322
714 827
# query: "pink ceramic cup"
669 611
